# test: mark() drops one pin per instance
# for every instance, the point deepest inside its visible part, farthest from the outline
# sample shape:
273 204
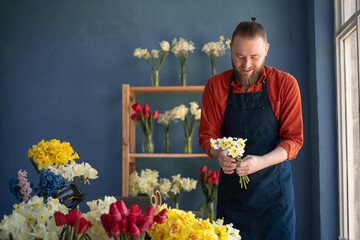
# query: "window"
348 112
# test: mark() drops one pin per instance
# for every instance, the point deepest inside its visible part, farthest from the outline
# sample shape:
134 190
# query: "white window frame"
342 31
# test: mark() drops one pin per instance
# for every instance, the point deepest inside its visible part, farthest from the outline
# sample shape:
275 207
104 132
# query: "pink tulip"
134 230
82 225
114 214
122 208
161 216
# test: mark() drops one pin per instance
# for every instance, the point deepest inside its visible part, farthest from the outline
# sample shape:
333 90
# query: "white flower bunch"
235 146
33 220
97 208
215 48
179 112
145 183
182 47
182 111
165 118
82 172
233 233
178 185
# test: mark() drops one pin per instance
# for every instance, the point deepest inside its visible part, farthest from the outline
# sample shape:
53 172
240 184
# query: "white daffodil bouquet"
236 149
181 48
214 50
190 119
166 119
144 183
150 57
175 188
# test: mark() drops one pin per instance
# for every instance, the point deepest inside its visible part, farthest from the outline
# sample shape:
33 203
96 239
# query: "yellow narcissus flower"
165 46
154 53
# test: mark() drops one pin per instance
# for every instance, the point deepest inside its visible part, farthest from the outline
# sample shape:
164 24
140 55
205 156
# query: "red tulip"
203 169
209 180
82 225
137 107
216 178
143 225
122 208
60 219
106 223
155 114
114 214
149 215
73 217
115 230
161 216
146 110
135 117
134 230
123 226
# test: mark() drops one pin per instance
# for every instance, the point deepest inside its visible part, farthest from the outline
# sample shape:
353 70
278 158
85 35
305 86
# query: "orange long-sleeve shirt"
285 99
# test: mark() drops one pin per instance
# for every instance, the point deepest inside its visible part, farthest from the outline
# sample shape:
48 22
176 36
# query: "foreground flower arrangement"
33 219
183 225
59 190
236 149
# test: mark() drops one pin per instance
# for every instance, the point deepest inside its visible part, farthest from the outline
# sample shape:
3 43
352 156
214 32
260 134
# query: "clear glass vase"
188 145
182 76
155 78
167 142
148 144
210 211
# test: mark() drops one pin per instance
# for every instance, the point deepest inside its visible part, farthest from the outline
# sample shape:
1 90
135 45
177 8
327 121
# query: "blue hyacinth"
15 189
50 183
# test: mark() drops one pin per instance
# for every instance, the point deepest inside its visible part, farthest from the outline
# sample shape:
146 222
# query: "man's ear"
267 48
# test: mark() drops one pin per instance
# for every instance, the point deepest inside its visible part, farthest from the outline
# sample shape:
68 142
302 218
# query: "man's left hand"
249 164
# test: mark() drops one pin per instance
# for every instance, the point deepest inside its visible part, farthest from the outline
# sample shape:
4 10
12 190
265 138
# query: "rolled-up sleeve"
291 130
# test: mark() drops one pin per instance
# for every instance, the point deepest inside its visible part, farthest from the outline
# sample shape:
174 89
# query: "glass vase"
167 142
210 211
182 76
155 78
213 65
188 145
148 144
175 205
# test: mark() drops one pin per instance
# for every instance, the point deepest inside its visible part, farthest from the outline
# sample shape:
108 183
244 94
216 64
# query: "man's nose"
246 64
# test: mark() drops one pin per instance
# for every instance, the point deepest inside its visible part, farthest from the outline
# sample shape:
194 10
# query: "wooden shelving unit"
129 129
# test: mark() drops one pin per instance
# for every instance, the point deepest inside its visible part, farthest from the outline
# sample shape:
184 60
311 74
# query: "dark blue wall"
62 65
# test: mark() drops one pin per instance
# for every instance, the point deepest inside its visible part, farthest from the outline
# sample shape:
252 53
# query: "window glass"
349 8
351 67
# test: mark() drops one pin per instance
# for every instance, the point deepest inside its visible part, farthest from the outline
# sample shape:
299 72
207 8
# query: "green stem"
34 165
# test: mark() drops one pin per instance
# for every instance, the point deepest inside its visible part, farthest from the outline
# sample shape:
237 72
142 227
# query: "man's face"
248 57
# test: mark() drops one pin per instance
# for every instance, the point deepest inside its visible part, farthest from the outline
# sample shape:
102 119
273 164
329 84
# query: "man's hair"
250 30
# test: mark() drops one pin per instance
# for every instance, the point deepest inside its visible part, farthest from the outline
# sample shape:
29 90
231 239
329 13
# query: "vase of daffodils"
214 50
190 119
174 189
151 57
166 119
181 48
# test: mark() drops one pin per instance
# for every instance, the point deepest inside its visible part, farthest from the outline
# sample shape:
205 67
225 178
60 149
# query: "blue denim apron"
265 210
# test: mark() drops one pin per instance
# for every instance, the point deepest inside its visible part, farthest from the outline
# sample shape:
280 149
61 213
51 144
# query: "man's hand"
227 164
249 164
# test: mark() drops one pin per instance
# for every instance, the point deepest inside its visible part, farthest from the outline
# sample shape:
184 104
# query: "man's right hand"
227 164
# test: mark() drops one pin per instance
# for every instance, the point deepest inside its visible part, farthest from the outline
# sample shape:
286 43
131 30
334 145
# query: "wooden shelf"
169 89
129 129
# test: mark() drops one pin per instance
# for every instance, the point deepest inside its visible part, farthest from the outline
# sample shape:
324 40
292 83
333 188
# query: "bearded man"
263 105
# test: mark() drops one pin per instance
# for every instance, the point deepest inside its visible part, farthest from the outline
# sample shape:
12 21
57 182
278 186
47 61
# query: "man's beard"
246 81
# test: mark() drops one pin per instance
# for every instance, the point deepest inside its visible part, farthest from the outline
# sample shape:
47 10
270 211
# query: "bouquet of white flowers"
214 50
181 49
